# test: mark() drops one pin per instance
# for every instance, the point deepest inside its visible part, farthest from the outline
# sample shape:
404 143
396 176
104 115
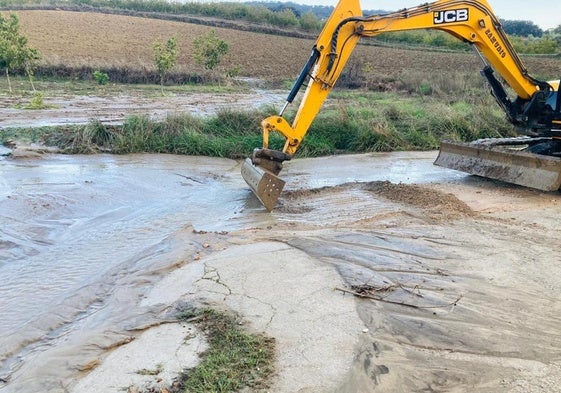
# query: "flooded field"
469 269
114 109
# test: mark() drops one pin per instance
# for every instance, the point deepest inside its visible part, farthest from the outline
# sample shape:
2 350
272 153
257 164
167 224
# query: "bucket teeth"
265 185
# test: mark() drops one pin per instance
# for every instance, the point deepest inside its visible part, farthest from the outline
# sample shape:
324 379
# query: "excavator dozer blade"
502 162
265 185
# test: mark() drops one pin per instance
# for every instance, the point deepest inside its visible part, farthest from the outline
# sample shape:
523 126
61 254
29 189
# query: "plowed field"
78 38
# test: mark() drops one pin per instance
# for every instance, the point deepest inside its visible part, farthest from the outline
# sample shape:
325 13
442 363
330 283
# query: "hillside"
105 40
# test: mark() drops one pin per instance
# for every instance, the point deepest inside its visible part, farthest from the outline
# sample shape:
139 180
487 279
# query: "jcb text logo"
450 16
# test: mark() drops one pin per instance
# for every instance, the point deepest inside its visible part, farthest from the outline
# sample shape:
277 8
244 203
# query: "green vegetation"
159 368
545 43
522 28
56 87
283 17
430 38
100 77
351 122
308 19
36 102
235 359
165 56
209 49
367 122
15 53
416 110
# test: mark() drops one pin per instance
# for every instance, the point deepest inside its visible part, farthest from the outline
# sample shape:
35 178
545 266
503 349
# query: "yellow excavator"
532 160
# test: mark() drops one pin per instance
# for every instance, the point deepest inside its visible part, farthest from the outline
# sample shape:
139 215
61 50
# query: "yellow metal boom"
536 109
469 21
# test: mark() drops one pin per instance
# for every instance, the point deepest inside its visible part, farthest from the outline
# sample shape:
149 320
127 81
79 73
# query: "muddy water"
114 109
66 218
84 237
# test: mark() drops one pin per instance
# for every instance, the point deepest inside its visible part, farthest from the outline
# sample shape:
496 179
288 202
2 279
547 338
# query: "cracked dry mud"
467 272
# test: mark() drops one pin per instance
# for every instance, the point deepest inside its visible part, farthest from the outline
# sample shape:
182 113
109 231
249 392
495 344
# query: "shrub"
100 77
209 49
36 102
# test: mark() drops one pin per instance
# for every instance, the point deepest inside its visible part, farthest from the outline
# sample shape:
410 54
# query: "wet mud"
454 279
115 108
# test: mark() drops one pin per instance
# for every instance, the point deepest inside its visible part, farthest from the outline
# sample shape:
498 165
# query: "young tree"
165 56
14 50
209 49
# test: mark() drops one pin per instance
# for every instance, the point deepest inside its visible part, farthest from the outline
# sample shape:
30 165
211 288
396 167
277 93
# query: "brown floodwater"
84 237
114 109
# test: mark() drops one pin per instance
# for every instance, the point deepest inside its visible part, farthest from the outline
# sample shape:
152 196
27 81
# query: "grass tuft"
235 359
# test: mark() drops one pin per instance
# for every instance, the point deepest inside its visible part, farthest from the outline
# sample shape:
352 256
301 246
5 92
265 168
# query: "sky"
544 13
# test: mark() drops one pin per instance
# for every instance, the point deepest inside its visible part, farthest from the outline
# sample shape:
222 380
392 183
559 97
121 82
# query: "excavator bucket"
264 184
502 160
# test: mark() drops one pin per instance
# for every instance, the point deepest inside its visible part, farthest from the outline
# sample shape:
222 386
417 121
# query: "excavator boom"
536 109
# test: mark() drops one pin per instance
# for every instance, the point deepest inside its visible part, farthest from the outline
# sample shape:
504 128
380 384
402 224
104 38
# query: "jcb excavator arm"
535 109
